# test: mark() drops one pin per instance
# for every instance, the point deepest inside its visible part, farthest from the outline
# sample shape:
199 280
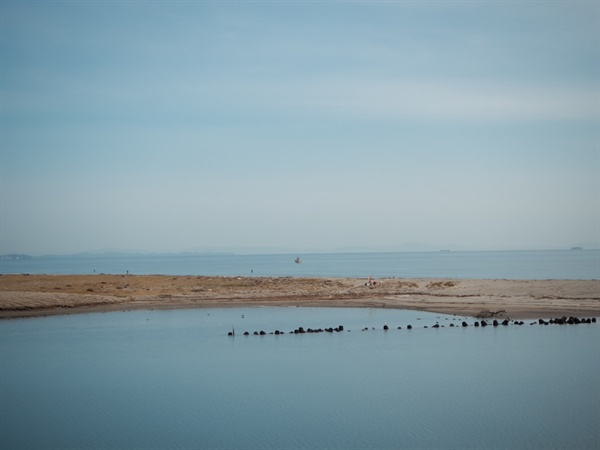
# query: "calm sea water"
174 379
559 264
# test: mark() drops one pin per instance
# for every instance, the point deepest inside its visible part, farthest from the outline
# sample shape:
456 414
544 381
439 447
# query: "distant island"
109 254
14 257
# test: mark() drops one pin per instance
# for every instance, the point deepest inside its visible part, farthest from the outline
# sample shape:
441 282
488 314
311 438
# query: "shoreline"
42 295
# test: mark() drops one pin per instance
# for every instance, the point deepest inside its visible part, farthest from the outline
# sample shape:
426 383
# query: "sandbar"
25 295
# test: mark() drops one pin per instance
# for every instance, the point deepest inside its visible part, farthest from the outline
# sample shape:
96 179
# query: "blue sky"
299 126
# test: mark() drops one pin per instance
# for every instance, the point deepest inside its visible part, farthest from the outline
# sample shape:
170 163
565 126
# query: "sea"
549 264
178 380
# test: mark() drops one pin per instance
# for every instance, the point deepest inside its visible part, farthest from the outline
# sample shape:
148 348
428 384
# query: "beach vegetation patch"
441 284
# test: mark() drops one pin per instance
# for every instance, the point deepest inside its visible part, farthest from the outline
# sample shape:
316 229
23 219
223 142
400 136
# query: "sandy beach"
39 295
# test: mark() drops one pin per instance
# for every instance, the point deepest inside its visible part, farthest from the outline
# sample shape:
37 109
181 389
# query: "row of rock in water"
299 330
483 323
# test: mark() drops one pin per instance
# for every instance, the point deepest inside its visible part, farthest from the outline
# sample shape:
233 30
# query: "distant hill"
14 257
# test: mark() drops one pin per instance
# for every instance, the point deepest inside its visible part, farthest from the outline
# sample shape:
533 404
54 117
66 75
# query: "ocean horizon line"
142 253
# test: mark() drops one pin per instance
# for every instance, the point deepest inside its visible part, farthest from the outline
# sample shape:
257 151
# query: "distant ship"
298 260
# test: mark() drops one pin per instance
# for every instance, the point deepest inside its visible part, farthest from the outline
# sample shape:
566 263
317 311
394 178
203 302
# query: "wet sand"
39 295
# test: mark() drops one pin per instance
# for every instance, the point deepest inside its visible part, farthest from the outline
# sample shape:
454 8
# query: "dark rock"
593 319
452 325
409 327
230 334
262 333
256 333
476 324
341 327
437 325
495 323
246 333
483 323
505 322
465 324
385 327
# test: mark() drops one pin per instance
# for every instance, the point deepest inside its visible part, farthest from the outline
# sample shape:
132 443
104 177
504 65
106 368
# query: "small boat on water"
298 260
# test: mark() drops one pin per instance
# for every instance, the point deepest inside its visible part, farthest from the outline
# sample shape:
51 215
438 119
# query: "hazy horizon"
408 248
309 126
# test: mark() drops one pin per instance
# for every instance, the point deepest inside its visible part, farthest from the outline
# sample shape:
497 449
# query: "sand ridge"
35 295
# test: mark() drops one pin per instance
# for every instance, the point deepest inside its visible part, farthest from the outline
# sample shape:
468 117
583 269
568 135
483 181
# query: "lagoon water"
174 379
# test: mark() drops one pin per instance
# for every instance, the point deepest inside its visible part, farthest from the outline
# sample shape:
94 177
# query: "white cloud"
423 100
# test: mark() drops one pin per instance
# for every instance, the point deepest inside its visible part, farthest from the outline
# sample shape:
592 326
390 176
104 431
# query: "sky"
299 126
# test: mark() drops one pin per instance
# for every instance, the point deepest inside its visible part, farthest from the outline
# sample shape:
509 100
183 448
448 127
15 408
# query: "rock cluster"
299 330
483 323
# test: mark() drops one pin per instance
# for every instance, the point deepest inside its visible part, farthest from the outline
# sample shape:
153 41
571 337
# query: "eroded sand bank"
36 295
